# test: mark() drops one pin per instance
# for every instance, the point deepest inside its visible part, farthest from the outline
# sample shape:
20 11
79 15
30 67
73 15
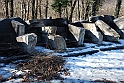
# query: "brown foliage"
43 68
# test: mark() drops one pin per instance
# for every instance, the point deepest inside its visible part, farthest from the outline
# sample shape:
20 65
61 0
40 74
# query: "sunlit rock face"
120 24
109 33
78 33
96 35
28 41
18 27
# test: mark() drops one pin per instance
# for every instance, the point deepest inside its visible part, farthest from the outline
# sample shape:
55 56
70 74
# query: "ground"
101 66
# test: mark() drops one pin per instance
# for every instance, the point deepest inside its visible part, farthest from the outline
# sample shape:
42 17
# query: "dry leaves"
43 67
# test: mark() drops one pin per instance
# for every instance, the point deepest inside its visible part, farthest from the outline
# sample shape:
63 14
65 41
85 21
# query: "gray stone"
50 30
60 23
107 31
18 27
78 33
50 38
100 37
120 24
112 22
57 42
96 36
28 42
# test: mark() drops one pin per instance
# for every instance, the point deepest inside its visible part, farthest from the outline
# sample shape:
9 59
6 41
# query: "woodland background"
71 9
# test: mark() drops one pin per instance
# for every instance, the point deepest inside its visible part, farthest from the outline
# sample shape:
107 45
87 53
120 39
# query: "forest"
71 9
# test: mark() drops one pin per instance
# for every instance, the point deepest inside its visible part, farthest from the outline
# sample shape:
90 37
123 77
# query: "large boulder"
27 42
120 24
6 27
109 33
60 23
93 33
57 42
18 27
47 31
78 33
111 21
50 38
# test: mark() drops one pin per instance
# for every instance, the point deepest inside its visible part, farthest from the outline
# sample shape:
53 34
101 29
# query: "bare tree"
118 7
22 8
33 9
40 9
36 9
46 10
86 9
11 8
7 10
28 9
72 9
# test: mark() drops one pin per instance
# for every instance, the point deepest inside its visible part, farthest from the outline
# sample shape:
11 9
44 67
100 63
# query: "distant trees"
91 7
71 9
59 5
96 4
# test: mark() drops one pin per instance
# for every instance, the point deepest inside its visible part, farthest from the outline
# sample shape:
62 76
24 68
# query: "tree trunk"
94 7
46 11
118 7
60 11
11 8
82 13
33 9
6 5
28 10
22 9
40 9
78 9
67 12
25 11
72 9
36 9
87 8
